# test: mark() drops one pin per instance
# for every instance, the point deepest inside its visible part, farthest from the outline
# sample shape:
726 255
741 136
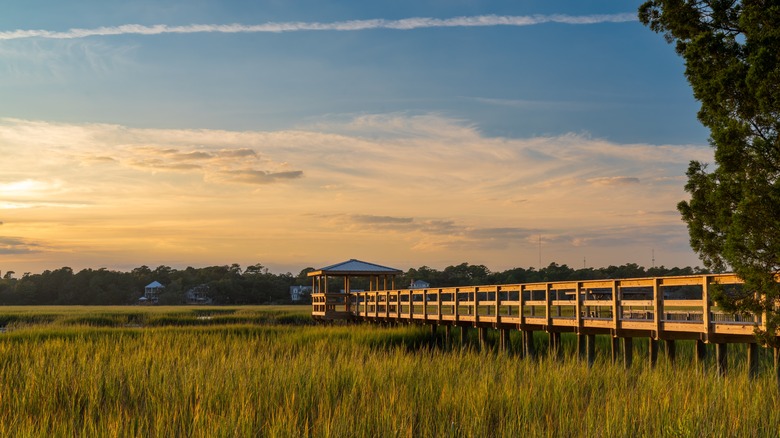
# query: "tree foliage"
731 50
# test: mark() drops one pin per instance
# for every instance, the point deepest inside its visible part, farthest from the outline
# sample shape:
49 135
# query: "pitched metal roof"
355 267
154 285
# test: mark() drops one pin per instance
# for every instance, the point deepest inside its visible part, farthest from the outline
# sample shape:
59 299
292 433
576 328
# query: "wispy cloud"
422 189
297 26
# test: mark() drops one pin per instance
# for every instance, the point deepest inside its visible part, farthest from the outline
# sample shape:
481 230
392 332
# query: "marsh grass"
62 378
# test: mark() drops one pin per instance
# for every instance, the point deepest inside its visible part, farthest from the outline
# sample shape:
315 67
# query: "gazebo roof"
355 268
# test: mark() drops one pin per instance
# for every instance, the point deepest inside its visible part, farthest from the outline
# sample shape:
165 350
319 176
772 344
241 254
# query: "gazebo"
324 301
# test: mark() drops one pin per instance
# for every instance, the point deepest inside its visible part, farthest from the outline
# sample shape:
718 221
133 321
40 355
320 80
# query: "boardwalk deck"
660 308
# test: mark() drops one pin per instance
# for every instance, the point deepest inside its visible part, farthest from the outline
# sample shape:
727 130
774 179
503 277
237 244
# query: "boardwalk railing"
660 308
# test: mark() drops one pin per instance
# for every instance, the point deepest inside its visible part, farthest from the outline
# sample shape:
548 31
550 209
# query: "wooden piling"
777 365
591 349
671 350
506 345
528 344
555 345
615 349
701 352
653 352
582 347
628 352
482 332
752 358
721 357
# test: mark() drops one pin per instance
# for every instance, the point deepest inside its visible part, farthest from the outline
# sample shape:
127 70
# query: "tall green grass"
285 380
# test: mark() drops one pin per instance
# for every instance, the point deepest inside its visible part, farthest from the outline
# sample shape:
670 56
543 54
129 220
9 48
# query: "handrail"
657 304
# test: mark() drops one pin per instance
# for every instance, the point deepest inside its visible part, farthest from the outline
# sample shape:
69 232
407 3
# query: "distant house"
299 293
152 293
419 284
198 295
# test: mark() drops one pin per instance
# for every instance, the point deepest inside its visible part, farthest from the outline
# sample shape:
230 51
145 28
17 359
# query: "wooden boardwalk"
661 308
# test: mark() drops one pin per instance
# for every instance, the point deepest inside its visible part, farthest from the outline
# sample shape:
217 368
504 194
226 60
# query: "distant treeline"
256 285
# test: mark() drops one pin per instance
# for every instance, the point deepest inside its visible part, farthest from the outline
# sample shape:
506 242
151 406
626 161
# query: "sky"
301 133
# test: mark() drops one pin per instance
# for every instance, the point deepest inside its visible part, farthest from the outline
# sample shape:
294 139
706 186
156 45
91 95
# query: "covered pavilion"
379 278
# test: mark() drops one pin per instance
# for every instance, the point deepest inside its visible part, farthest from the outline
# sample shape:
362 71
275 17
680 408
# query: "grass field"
263 371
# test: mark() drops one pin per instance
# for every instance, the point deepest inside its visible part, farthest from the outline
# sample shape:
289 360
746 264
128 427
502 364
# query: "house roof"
154 285
355 267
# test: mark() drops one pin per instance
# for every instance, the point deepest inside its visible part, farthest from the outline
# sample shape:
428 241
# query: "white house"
298 293
152 293
419 284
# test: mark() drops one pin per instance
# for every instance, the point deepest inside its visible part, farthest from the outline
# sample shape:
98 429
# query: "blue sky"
344 129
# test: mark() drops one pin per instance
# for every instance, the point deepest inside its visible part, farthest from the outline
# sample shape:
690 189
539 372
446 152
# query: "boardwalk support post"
528 344
582 347
555 345
721 357
591 349
628 351
752 360
653 352
482 331
448 336
671 351
777 366
701 352
615 349
505 341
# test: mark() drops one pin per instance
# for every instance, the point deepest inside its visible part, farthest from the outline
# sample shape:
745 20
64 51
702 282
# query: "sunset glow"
125 147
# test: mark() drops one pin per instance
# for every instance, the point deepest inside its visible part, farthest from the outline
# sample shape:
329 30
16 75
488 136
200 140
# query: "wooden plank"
597 284
733 328
598 323
683 303
597 303
637 282
637 325
569 285
536 303
564 322
684 327
637 303
680 281
530 320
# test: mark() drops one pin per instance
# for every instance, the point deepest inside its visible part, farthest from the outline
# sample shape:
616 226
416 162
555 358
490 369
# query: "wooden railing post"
706 308
521 309
498 302
658 305
476 305
616 306
425 304
438 306
455 301
578 306
547 302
